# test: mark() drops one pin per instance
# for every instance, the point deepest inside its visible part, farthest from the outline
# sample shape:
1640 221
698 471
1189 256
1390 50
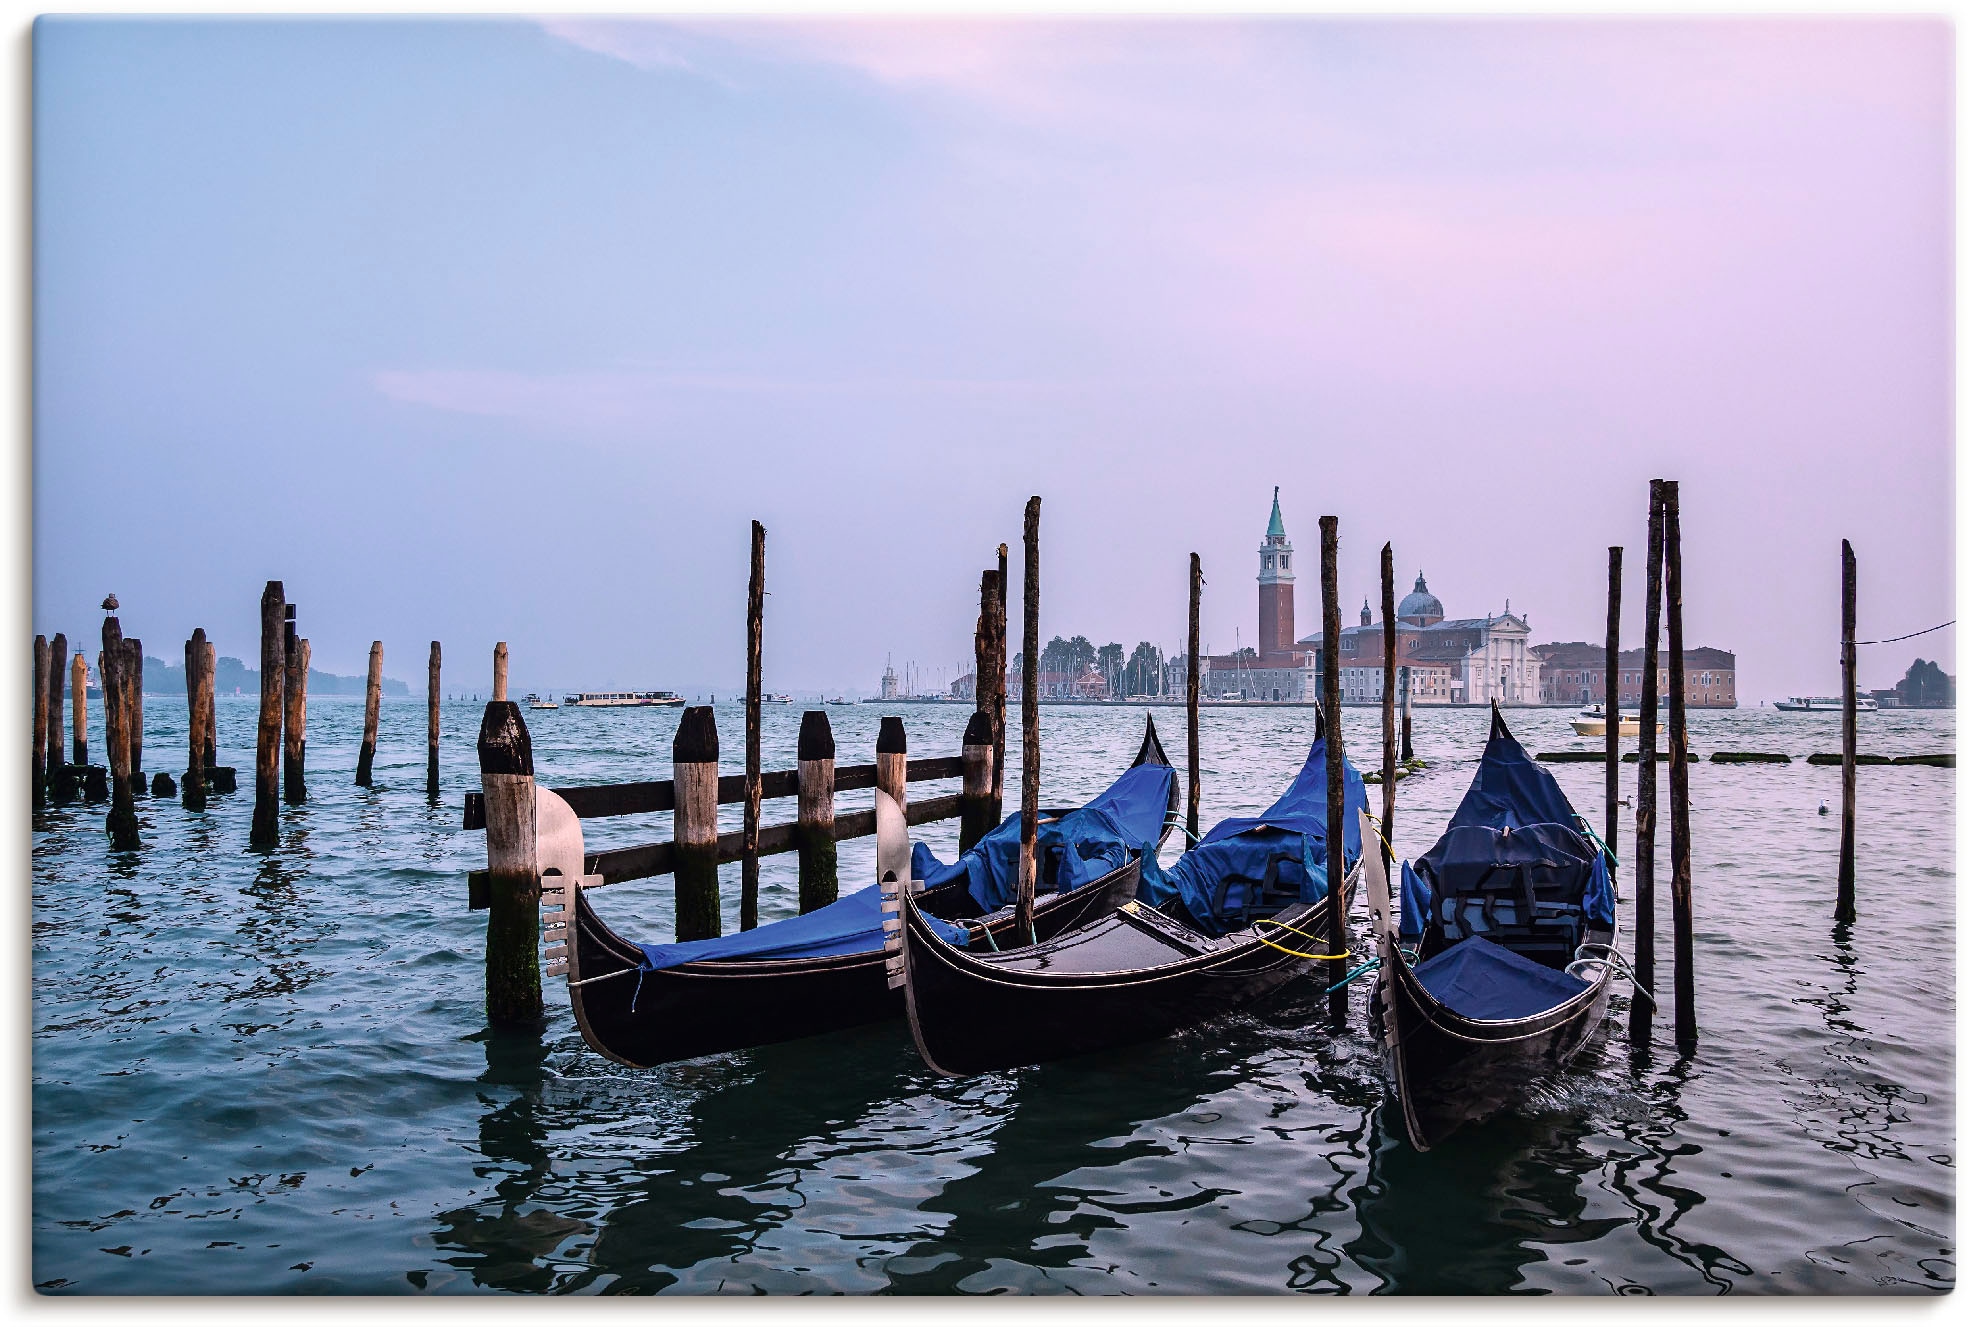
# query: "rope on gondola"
1593 834
1909 636
1612 958
1273 921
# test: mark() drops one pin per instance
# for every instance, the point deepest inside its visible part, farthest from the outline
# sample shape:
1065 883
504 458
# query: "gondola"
645 1005
1498 970
1238 916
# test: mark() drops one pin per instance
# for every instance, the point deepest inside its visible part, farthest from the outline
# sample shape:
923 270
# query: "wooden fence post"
57 741
196 760
273 690
122 824
694 761
748 879
1195 683
1388 775
819 880
977 821
294 714
1336 930
499 671
40 762
512 926
892 761
1848 824
1000 664
1614 557
430 739
1028 704
1640 1017
1685 1031
372 713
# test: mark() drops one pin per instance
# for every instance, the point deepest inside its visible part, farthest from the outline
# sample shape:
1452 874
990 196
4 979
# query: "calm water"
264 1072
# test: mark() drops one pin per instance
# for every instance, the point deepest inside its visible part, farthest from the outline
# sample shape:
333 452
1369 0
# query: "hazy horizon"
504 330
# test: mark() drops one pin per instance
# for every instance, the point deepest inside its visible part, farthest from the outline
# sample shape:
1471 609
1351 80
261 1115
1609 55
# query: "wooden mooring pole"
748 880
1685 1031
1407 713
294 713
1336 930
1640 1018
1848 813
40 763
78 689
1388 776
976 820
694 761
1614 556
1028 706
273 691
61 783
211 710
983 802
1000 666
819 877
499 671
132 698
430 738
512 926
372 713
197 688
122 823
1195 698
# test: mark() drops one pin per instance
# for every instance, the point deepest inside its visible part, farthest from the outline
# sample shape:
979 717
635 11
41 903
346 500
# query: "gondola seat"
1478 979
1523 888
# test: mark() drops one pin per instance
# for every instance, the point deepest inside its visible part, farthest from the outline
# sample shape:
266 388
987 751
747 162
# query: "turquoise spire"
1277 530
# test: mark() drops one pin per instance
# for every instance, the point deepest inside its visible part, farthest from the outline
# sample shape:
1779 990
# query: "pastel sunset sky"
481 330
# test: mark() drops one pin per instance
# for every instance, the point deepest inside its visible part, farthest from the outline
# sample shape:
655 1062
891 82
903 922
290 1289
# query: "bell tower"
1276 629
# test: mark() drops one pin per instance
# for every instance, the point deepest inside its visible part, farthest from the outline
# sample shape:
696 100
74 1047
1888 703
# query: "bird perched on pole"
109 604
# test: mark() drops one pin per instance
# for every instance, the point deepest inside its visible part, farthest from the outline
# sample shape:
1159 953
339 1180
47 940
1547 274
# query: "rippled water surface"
261 1072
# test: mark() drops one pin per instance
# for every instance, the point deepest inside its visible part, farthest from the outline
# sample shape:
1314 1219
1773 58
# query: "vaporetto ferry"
616 699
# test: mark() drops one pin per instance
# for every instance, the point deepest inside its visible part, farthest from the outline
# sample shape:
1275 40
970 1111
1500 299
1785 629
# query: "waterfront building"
1451 661
891 686
1575 674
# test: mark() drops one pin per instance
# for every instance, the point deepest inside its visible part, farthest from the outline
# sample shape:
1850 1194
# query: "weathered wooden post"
212 716
294 712
1685 1031
40 762
122 824
78 688
1195 693
819 880
977 819
372 713
1388 774
1336 930
1028 705
499 671
57 744
1640 1018
1407 713
430 739
512 926
892 761
1848 824
1000 665
694 760
132 698
1614 557
196 759
273 691
748 879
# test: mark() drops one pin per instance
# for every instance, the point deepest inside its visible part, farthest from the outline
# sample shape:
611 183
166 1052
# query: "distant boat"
839 700
533 702
1832 703
618 699
1592 723
776 698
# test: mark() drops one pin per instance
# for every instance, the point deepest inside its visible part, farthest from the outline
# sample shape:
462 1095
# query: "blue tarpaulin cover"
1130 813
1073 850
1511 790
851 925
1218 882
1478 979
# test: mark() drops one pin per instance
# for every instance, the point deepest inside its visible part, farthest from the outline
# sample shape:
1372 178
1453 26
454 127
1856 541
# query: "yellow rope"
1272 921
1377 833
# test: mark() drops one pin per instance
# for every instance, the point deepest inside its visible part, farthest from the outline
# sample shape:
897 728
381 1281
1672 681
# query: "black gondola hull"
969 1015
1449 1071
650 1018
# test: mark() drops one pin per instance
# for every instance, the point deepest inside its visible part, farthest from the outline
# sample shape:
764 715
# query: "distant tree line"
1142 672
167 679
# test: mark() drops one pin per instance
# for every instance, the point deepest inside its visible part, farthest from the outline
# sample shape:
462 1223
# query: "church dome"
1420 608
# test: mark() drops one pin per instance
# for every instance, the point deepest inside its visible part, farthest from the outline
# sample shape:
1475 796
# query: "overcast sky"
502 330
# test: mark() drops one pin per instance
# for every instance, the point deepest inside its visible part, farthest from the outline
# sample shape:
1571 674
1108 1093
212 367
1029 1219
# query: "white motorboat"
1592 723
618 699
1822 703
532 701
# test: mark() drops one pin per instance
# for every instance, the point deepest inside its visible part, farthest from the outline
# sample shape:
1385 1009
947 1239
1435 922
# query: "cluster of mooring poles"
280 758
509 889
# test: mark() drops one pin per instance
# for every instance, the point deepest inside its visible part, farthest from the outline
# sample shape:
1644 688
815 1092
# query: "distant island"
169 680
